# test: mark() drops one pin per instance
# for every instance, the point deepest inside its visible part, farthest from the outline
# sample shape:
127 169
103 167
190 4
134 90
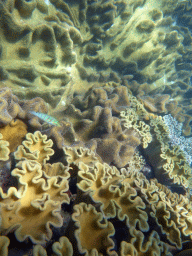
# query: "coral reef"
108 201
72 169
141 44
36 53
95 124
145 45
80 165
114 178
129 38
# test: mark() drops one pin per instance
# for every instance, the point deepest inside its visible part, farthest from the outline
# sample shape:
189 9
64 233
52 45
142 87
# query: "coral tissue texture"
37 48
95 128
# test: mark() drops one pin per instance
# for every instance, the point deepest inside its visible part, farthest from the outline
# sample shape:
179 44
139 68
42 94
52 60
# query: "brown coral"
42 51
12 107
14 133
155 104
95 123
9 107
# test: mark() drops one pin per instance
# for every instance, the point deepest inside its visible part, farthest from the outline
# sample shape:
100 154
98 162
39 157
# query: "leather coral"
31 208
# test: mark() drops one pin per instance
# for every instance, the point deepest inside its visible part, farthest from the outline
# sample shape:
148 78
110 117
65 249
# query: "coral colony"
175 131
110 175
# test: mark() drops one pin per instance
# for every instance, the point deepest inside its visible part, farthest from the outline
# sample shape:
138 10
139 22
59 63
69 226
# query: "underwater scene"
95 127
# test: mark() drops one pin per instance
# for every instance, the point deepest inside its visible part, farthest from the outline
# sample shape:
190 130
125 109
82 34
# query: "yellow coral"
4 243
131 119
63 247
143 245
56 169
35 147
129 196
4 150
107 186
92 235
35 205
79 154
38 250
14 132
137 162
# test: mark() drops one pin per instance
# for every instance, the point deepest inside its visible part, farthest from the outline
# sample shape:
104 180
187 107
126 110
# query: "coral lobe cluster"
114 178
